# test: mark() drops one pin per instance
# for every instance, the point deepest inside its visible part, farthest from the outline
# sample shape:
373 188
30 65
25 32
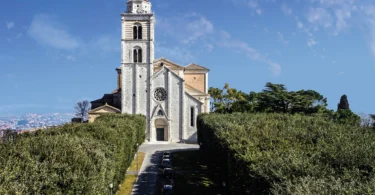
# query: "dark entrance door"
160 134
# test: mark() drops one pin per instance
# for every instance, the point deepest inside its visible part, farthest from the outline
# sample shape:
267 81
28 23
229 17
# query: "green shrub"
288 154
72 159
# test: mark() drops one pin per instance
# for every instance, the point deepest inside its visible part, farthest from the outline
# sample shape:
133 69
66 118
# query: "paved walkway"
148 180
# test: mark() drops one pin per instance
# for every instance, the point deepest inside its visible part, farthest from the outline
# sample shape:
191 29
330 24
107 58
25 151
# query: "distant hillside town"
34 121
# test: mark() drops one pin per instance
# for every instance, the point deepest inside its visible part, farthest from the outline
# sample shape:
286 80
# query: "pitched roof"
116 110
163 69
172 65
195 67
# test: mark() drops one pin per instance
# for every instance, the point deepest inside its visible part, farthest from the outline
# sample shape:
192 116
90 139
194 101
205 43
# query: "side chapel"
171 96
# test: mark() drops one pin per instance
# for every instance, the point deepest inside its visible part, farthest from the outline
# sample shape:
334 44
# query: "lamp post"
111 187
225 190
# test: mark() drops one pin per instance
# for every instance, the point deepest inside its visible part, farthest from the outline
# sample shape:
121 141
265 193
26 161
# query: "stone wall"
196 80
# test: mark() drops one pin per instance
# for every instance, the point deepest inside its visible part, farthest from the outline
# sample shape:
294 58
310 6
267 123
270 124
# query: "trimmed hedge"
71 159
288 154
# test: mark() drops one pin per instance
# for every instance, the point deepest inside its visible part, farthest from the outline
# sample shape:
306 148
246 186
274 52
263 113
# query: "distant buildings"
33 121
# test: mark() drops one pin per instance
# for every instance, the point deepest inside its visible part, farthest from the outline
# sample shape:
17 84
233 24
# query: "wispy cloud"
319 17
47 31
105 43
311 42
176 53
253 5
187 29
198 28
281 38
286 10
10 25
67 57
332 15
243 47
340 73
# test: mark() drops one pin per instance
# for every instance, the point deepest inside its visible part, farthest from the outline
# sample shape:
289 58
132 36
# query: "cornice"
139 64
137 40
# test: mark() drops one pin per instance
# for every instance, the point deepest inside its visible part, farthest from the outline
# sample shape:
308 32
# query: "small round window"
160 94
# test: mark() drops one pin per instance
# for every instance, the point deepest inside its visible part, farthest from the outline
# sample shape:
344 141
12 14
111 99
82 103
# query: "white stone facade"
169 111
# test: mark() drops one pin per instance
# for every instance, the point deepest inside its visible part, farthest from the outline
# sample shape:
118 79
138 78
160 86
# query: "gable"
104 109
163 70
196 67
169 64
155 111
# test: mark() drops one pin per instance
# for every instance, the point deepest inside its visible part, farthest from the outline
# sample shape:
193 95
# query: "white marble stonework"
161 95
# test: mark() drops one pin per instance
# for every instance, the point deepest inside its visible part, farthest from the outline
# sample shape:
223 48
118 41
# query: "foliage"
344 104
344 114
224 98
276 99
273 99
288 154
373 119
71 159
82 108
347 117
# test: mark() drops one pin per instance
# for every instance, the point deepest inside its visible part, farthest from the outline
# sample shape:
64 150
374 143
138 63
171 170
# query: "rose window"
160 94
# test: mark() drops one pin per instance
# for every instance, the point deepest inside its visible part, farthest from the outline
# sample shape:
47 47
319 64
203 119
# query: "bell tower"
137 56
138 7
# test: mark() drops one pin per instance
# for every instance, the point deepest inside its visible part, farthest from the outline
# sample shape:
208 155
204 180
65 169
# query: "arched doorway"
161 128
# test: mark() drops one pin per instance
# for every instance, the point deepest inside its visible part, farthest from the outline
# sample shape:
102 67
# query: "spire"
138 7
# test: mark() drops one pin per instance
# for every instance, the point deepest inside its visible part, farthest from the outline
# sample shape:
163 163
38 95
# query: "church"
170 95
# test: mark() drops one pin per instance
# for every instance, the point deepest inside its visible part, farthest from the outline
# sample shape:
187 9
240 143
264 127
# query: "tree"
344 115
273 99
347 117
366 120
307 102
344 104
82 108
373 119
217 96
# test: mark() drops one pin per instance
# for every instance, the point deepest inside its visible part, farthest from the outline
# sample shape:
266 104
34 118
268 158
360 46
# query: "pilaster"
182 113
169 98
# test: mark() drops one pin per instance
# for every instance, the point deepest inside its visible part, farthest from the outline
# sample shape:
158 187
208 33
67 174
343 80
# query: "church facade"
171 96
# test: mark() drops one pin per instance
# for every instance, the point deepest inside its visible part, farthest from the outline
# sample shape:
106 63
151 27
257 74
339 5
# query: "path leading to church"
148 182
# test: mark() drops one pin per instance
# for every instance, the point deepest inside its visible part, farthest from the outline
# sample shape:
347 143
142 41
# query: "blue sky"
55 53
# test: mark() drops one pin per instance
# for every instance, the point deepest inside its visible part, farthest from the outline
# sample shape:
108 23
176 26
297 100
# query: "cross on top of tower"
138 7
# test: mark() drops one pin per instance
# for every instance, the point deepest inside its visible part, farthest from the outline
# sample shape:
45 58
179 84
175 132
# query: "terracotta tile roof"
167 62
105 106
195 67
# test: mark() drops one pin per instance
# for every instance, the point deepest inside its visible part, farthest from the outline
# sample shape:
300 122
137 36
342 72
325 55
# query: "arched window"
135 56
192 116
137 31
140 55
160 113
